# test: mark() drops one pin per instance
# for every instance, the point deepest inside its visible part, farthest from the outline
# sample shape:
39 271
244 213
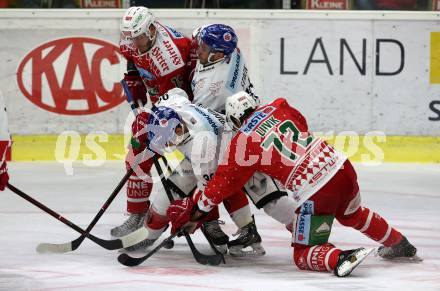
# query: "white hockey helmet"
136 21
238 107
178 91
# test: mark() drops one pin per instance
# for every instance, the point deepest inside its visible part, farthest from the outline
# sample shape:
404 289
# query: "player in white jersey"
221 69
203 138
193 172
221 72
4 144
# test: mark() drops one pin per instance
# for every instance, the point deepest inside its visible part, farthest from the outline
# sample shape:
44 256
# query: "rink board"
367 73
99 148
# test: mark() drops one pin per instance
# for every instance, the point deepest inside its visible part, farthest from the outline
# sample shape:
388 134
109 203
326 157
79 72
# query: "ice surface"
407 195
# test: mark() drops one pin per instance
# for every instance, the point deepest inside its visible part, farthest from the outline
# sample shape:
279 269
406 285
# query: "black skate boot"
216 235
404 249
349 260
134 222
248 243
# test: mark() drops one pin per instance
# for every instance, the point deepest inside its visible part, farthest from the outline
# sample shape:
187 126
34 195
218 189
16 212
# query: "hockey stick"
128 261
115 244
202 228
213 260
73 245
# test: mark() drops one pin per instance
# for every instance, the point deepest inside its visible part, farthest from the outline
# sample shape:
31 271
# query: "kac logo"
72 76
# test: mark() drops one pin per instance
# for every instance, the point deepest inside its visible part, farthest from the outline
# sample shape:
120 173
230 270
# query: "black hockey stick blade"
129 261
212 260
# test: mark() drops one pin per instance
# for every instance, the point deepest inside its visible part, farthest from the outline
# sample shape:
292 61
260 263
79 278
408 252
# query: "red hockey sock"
138 193
238 208
236 202
212 215
322 258
155 220
372 225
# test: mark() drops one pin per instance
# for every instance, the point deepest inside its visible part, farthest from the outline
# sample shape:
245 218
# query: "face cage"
233 122
211 51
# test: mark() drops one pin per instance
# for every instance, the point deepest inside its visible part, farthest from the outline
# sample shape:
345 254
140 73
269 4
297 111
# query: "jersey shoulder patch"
256 119
174 33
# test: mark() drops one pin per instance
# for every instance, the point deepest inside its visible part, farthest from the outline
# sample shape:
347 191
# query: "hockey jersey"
213 83
166 65
207 139
4 133
274 140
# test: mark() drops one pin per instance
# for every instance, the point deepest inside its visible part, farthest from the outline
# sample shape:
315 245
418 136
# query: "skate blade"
348 267
413 259
255 250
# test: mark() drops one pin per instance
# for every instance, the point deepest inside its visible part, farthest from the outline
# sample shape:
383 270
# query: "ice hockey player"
274 139
201 135
157 60
221 69
220 72
4 144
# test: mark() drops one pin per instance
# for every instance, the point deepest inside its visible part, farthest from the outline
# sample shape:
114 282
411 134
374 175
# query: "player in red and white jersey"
5 142
274 139
160 54
157 61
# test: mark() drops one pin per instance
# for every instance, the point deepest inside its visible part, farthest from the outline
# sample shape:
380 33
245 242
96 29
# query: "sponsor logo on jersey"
165 56
66 76
197 85
267 125
256 118
172 52
236 72
303 229
208 118
217 115
159 58
308 207
215 87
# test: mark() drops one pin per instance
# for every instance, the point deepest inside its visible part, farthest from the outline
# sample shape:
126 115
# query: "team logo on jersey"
73 76
256 118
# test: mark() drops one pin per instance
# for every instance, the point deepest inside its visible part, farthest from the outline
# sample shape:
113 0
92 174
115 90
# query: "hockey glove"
184 214
136 88
4 177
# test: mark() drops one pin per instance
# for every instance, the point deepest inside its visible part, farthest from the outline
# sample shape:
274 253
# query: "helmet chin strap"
211 55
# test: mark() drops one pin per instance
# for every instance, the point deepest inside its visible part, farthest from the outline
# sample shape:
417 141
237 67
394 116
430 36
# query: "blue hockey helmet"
219 37
162 124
